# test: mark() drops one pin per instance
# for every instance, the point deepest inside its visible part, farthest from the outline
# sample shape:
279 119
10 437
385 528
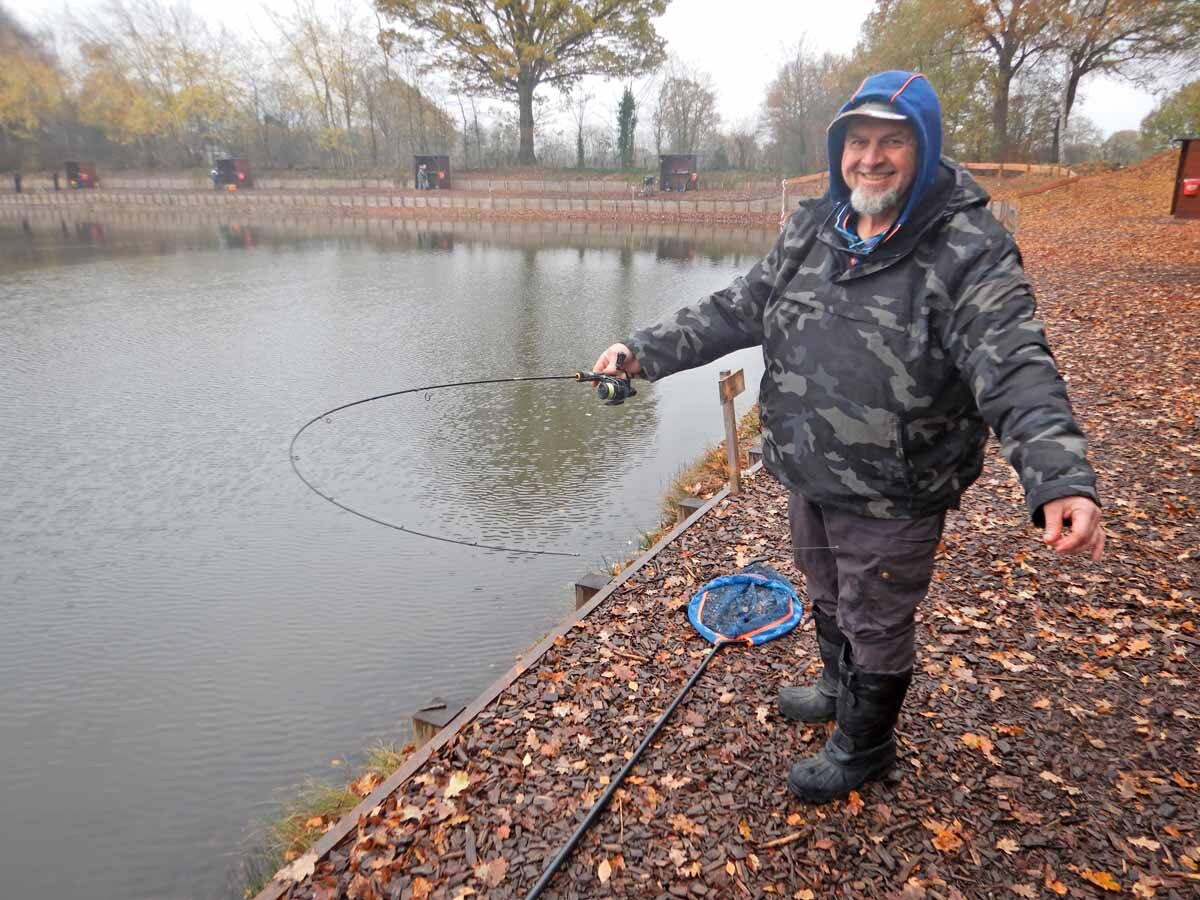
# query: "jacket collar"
953 190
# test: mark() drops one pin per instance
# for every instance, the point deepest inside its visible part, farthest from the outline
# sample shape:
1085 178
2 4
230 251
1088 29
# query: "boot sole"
809 720
813 718
817 797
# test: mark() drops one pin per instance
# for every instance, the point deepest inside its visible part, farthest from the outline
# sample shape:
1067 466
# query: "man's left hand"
1081 517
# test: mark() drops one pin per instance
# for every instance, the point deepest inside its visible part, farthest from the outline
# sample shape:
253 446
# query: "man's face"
879 162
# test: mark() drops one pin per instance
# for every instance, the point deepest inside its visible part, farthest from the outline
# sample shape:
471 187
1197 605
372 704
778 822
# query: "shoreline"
455 205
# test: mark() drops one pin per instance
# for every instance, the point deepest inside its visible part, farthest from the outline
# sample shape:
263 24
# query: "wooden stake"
685 507
732 384
588 586
432 718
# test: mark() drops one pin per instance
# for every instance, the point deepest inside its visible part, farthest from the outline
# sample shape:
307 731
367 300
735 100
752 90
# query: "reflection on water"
142 232
185 631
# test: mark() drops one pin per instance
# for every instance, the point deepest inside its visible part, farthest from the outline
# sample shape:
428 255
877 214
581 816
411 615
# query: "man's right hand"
607 363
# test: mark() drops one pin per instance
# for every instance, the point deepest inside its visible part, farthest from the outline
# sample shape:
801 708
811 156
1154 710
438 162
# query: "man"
897 326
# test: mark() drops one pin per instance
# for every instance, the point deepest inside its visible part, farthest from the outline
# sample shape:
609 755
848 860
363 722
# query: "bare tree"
1118 36
801 101
686 110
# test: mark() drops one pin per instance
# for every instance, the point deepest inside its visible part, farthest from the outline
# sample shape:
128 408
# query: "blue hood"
912 94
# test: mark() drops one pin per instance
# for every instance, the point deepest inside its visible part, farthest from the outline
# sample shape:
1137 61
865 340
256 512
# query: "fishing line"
293 456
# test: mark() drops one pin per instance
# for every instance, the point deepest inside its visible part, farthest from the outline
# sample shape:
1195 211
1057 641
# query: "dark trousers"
871 582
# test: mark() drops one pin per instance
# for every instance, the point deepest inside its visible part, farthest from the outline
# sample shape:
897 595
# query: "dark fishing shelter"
1185 203
677 172
431 173
236 172
81 174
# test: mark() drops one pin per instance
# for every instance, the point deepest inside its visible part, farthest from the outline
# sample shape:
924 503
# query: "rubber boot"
863 745
817 702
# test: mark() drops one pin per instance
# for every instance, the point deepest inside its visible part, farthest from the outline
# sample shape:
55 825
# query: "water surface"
186 631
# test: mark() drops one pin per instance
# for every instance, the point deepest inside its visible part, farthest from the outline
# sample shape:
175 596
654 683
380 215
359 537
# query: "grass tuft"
313 810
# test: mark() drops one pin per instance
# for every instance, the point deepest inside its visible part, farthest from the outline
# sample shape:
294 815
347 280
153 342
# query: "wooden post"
432 718
685 506
732 384
588 586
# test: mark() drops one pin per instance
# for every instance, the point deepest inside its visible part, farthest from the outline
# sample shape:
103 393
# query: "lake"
187 632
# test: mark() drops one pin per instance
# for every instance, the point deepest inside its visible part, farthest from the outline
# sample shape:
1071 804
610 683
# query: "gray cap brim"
872 109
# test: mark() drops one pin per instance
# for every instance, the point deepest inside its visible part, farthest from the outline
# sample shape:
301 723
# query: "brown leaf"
459 782
946 838
1007 845
493 872
299 870
854 804
604 871
1146 887
1183 782
982 744
684 825
366 784
1101 879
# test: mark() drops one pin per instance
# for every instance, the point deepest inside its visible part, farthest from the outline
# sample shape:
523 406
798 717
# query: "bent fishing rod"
613 390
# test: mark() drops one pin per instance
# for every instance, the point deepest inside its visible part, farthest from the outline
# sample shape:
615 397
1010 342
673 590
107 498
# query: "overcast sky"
741 43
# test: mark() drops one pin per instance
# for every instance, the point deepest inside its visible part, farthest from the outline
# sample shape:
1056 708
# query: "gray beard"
866 204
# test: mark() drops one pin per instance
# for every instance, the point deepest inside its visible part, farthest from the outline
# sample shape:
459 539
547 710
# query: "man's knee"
881 653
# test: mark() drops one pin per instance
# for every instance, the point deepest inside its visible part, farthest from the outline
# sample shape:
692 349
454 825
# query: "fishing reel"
612 389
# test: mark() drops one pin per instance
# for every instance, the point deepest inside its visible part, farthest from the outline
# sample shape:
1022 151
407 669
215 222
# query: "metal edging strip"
413 764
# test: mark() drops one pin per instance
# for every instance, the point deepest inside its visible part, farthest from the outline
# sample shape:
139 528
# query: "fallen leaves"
1007 845
854 804
492 873
983 745
1145 843
459 782
946 838
1101 880
299 869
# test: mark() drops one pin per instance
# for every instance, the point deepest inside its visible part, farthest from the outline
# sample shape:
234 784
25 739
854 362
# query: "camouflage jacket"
882 376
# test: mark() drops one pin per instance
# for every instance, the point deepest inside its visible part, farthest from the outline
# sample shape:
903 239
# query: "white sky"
740 43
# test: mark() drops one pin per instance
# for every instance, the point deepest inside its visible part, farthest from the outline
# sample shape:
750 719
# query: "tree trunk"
1004 77
1064 114
525 88
466 135
371 126
478 135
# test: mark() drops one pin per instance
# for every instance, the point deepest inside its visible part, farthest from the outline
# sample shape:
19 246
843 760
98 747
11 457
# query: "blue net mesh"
754 605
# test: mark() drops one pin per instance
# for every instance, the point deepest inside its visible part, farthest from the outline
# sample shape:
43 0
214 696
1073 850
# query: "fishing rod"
613 390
